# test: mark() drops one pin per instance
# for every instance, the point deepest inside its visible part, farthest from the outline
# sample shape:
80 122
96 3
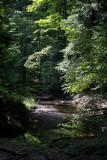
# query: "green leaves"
84 62
2 10
34 60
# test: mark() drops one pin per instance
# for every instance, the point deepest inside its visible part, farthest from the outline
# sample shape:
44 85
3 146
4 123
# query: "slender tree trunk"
65 17
65 9
23 42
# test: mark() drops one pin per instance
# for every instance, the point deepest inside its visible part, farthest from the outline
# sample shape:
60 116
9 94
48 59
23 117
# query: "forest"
54 52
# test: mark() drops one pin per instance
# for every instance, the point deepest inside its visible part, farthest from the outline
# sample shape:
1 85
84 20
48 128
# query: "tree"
20 29
11 107
4 44
48 33
84 65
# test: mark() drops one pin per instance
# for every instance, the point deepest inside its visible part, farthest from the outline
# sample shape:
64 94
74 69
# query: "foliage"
84 63
1 9
88 125
31 139
47 33
35 59
29 102
71 32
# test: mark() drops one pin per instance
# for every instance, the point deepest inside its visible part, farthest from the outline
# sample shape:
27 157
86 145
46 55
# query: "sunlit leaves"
2 10
85 57
51 21
82 82
36 4
34 60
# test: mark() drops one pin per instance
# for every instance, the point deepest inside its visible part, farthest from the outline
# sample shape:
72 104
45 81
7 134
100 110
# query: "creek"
66 118
54 117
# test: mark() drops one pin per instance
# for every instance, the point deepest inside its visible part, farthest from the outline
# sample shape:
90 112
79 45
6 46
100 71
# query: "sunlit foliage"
84 63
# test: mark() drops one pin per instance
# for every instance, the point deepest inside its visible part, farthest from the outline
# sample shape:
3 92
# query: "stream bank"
41 143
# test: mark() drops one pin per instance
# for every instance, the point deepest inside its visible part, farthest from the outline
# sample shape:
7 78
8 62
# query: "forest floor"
90 148
55 146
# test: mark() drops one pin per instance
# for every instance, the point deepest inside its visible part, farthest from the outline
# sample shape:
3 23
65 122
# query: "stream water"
55 117
66 118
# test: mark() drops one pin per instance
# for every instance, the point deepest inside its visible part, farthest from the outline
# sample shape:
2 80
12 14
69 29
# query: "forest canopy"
47 43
